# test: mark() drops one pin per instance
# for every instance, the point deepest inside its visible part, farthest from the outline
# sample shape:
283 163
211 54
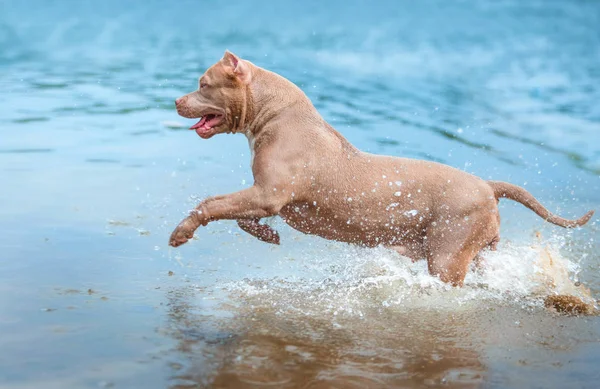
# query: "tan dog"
310 175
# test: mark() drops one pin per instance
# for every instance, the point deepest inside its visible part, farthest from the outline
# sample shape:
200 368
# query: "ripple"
102 160
144 132
26 151
49 85
577 159
31 120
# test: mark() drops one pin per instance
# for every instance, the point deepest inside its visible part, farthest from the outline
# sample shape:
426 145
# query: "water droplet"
411 213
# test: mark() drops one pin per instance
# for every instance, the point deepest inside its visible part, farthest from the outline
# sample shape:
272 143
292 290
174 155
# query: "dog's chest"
315 220
303 216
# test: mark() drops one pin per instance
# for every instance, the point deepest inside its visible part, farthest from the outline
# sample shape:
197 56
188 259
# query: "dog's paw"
270 236
183 233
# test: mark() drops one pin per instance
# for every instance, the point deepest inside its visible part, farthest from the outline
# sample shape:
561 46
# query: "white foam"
351 281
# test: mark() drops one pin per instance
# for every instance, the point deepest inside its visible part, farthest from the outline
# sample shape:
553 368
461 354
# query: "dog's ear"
238 66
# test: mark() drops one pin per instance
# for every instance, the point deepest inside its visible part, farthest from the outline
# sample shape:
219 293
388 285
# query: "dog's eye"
203 85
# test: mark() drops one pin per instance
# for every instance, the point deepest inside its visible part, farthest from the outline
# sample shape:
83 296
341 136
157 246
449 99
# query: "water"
97 169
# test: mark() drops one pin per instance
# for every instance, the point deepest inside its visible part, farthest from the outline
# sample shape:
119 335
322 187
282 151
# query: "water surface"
97 169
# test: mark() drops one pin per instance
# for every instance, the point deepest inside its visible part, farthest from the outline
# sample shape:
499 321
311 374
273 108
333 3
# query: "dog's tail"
516 193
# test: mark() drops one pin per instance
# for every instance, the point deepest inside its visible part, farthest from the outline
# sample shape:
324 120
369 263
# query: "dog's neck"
267 97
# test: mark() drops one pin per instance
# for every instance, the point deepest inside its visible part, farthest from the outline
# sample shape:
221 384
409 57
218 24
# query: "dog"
320 184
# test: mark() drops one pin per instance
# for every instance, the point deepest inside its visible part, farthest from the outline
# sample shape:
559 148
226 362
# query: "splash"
344 280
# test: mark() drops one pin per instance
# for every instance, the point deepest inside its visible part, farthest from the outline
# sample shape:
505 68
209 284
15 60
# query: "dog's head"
221 98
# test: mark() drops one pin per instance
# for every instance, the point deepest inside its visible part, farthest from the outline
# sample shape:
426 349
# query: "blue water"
97 169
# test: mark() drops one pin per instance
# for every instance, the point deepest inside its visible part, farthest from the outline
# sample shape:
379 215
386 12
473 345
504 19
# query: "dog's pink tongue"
199 124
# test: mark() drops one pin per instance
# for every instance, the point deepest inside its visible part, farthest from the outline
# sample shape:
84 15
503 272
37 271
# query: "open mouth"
206 124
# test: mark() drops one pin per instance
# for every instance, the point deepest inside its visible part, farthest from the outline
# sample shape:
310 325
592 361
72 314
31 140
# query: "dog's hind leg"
262 232
492 246
452 246
412 251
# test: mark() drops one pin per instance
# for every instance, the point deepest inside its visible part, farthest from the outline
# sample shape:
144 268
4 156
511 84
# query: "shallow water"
97 169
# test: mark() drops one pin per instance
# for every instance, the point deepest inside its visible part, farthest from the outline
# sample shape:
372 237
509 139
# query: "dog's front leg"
251 203
261 232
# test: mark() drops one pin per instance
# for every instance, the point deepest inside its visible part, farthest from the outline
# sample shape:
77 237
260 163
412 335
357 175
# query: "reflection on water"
375 324
97 168
291 351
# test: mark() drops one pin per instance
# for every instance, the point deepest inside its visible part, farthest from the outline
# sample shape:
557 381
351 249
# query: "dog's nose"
178 101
